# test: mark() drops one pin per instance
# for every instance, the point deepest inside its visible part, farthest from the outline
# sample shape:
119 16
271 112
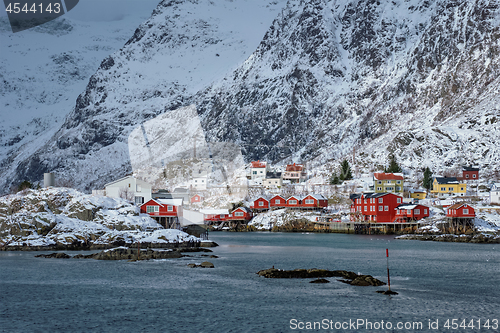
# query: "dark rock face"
54 255
350 277
325 75
320 281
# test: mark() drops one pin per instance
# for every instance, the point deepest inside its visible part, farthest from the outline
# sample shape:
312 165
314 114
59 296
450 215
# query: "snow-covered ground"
66 217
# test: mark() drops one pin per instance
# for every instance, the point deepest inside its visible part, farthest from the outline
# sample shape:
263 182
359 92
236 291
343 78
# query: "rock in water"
207 264
320 281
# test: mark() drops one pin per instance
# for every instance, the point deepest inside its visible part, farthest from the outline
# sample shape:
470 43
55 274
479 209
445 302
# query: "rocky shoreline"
478 238
131 254
81 246
348 277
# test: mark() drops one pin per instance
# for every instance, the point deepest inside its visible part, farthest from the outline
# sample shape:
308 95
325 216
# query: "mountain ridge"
402 77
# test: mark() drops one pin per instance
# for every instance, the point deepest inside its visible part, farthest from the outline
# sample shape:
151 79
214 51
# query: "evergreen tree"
393 165
345 173
334 179
24 185
427 182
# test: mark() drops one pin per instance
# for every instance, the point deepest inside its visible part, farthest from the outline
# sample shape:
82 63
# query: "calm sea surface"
435 281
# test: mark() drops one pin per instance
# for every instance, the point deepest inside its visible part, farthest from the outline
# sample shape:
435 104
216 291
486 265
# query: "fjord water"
435 281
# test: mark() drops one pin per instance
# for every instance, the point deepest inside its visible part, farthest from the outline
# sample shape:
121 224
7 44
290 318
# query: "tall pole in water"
388 277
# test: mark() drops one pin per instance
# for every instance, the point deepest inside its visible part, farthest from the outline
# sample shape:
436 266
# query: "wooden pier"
373 228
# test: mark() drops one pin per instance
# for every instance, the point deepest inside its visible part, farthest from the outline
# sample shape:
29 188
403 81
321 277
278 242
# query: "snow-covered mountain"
301 80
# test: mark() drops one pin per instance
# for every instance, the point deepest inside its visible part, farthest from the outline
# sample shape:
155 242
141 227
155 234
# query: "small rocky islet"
319 274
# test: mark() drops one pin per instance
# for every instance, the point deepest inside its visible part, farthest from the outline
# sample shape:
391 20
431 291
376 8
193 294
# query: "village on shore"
132 212
288 198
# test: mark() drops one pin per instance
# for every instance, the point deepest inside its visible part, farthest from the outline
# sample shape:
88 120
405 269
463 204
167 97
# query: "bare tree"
126 193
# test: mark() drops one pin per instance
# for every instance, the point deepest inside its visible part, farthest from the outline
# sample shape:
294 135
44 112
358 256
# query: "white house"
258 169
273 180
129 188
495 193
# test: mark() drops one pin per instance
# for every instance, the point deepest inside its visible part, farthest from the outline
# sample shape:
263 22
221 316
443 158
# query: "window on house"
466 211
425 211
417 211
474 176
261 203
399 200
398 188
450 188
386 208
277 201
380 208
380 200
461 189
379 182
388 182
152 209
139 200
379 188
254 172
398 182
222 216
466 176
309 202
443 189
292 202
238 214
408 211
372 208
366 208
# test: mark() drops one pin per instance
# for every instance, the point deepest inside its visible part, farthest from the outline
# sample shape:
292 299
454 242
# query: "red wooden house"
374 207
165 211
211 216
277 202
197 198
469 173
411 212
260 203
460 210
294 202
316 201
240 214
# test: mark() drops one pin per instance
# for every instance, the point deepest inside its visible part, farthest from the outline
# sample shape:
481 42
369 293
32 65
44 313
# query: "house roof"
458 205
387 176
410 206
417 191
316 196
294 167
368 195
123 178
243 208
258 164
262 197
447 180
273 175
465 168
173 202
214 211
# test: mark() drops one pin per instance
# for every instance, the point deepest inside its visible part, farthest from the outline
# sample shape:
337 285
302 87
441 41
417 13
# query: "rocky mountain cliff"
416 78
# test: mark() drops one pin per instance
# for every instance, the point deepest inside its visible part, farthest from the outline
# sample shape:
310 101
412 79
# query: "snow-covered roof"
214 211
447 180
387 176
173 202
317 196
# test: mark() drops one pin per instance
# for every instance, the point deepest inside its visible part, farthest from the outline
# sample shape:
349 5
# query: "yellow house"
418 194
447 187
